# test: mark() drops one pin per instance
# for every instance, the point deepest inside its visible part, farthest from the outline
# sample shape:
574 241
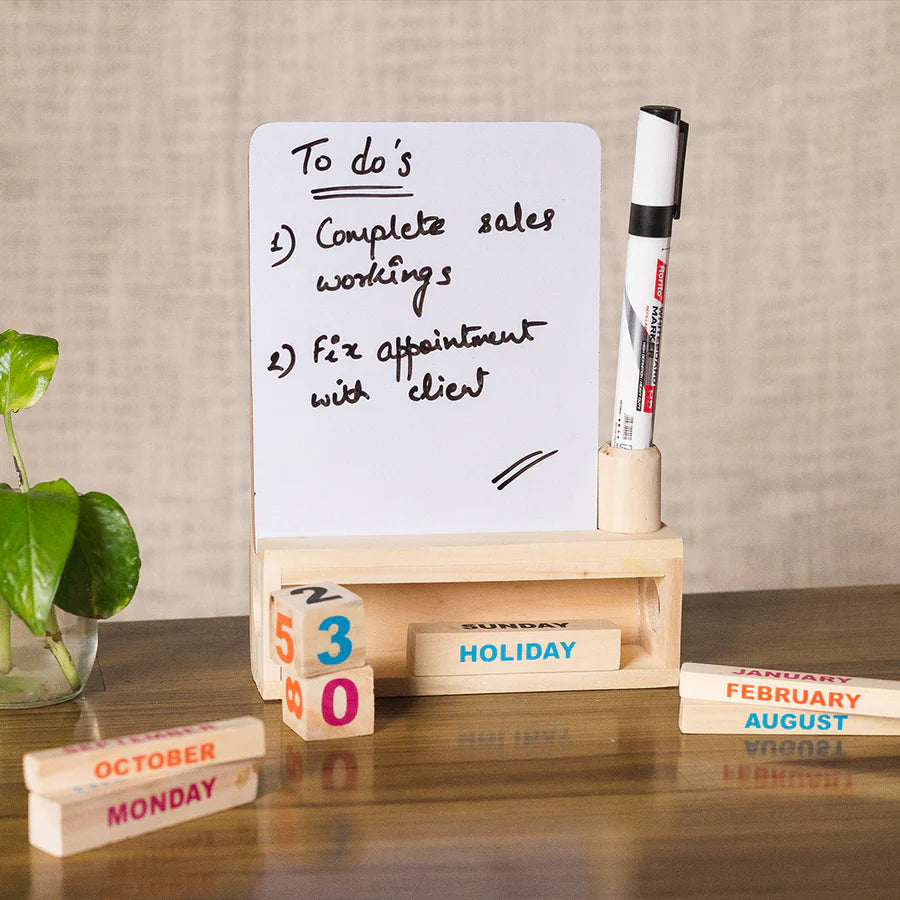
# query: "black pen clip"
679 167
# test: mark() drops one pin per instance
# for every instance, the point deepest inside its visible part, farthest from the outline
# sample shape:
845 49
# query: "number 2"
283 625
318 594
343 645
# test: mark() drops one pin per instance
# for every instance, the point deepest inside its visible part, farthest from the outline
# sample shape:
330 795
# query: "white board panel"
424 316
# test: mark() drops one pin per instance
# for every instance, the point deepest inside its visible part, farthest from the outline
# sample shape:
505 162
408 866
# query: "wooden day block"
154 753
767 687
710 717
476 648
336 705
317 628
70 822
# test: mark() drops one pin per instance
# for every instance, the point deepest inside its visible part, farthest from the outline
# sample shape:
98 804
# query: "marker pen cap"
656 156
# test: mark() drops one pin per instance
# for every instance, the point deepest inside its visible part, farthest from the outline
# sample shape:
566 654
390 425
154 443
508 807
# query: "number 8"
293 696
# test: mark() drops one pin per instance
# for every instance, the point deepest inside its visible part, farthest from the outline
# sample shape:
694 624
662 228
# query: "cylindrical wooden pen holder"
629 490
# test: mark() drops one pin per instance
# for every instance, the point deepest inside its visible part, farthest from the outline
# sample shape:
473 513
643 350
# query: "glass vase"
41 671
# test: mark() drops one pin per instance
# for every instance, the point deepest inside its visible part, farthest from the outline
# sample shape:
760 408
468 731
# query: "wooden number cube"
317 628
339 704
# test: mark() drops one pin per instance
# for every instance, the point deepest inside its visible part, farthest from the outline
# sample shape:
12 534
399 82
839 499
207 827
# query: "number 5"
283 625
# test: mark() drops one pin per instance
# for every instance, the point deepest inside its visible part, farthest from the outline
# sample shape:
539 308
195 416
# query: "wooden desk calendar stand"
630 573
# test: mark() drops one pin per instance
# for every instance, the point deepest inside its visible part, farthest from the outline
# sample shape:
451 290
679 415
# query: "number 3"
343 645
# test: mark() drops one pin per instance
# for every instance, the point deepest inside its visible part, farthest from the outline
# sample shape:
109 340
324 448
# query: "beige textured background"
123 233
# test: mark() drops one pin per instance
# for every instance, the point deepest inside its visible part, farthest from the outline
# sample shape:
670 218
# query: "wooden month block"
710 717
477 648
154 753
70 821
317 628
800 690
336 705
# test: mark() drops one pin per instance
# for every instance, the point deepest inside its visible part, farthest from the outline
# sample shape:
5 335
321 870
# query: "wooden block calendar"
319 641
425 365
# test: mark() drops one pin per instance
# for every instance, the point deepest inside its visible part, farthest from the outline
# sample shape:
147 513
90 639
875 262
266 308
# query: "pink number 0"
352 695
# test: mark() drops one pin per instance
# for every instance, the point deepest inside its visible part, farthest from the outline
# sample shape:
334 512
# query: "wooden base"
634 580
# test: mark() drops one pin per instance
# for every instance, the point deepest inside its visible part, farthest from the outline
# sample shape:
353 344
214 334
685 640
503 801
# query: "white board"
495 230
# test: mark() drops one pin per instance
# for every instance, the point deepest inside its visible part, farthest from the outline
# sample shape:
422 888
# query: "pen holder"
629 490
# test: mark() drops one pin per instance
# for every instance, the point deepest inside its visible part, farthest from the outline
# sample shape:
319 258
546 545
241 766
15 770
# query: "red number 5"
283 625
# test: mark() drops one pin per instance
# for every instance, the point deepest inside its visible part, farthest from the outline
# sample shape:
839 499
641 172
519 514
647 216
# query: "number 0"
352 695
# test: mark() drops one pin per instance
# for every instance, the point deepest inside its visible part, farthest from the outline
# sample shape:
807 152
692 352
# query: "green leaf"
37 530
101 575
27 363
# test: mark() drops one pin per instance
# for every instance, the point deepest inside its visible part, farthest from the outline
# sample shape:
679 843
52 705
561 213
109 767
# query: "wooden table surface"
519 795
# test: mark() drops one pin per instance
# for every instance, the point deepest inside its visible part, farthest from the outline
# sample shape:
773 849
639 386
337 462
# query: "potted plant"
66 559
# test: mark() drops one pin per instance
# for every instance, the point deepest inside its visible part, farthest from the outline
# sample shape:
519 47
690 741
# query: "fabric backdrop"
123 233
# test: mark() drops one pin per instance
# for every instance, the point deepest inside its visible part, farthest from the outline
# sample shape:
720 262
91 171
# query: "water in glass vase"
41 671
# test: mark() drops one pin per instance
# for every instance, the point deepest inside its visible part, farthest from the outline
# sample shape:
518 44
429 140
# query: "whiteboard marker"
655 202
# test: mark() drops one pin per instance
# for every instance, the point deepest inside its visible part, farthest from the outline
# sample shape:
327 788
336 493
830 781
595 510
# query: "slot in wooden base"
633 580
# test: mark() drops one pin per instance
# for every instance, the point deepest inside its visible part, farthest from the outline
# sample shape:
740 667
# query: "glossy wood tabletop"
583 794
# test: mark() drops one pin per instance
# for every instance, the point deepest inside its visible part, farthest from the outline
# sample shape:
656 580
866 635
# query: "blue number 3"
343 645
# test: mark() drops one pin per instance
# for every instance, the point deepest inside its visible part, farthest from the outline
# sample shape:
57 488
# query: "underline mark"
359 190
541 456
